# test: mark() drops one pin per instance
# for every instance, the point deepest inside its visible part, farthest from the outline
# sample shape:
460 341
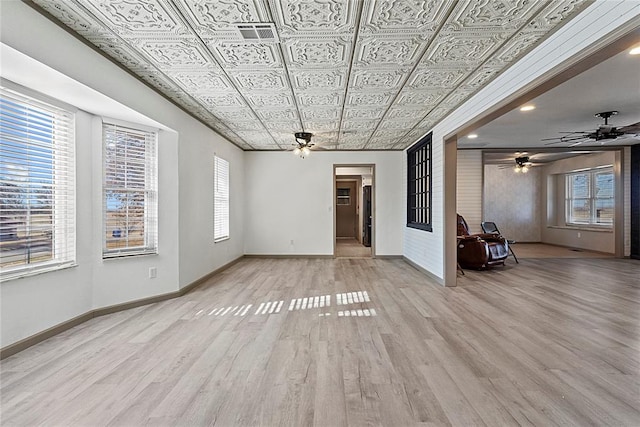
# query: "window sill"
34 271
127 255
582 228
222 239
423 227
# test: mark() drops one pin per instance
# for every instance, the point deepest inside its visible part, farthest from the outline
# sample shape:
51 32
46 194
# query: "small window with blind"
37 185
419 164
130 191
220 199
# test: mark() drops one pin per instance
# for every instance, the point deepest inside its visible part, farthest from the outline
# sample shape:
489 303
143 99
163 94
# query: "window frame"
420 185
591 198
221 198
149 192
62 177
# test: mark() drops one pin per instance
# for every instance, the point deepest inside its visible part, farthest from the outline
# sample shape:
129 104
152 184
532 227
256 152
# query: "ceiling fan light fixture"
303 141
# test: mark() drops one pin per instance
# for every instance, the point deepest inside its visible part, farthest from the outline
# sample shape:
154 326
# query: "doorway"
353 211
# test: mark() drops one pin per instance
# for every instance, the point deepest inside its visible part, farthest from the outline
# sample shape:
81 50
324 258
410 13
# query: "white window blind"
220 199
37 186
130 190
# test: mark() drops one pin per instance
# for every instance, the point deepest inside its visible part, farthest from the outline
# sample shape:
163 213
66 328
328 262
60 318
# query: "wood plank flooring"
351 248
544 342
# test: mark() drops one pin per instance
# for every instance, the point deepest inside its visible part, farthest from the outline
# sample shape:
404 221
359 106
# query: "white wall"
289 199
469 188
570 43
512 201
32 304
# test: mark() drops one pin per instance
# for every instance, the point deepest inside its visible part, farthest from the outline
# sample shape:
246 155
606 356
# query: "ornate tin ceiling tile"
247 55
210 17
202 81
324 138
404 16
359 125
516 47
407 113
140 18
401 125
365 99
327 99
221 100
122 53
175 54
497 15
437 78
425 98
314 16
358 112
320 113
556 12
272 114
288 127
377 79
247 125
317 53
377 52
318 79
75 17
320 126
281 100
461 50
260 80
357 144
481 76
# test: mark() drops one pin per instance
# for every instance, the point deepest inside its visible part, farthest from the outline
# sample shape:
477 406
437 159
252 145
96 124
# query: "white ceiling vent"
258 32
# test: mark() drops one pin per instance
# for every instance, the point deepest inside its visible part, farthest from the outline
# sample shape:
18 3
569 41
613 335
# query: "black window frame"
419 184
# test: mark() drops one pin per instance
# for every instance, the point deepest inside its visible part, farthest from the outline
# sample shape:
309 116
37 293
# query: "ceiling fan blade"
632 128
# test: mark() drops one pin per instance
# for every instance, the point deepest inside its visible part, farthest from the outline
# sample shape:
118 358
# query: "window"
419 185
130 191
344 196
37 187
220 199
590 197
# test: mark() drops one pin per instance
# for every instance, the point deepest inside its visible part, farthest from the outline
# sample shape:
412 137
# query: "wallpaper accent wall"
512 201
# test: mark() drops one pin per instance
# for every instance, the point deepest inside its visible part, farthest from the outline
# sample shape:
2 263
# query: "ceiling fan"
603 133
523 163
303 144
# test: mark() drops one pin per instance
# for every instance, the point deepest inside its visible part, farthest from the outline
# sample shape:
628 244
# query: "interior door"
346 209
366 206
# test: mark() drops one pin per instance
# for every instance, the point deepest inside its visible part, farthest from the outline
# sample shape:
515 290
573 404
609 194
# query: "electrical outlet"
579 235
153 273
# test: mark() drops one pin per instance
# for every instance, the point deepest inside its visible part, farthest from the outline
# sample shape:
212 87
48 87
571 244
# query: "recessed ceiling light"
472 135
635 50
527 107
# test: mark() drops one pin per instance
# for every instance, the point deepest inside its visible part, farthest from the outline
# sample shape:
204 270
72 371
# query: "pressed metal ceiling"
371 74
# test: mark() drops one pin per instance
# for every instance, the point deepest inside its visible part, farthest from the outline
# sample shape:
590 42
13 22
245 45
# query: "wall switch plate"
579 235
153 273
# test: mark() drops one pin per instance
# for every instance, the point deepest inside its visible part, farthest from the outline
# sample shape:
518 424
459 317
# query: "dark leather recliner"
480 250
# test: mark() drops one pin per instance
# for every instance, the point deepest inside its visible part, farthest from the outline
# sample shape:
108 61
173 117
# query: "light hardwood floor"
351 248
544 342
